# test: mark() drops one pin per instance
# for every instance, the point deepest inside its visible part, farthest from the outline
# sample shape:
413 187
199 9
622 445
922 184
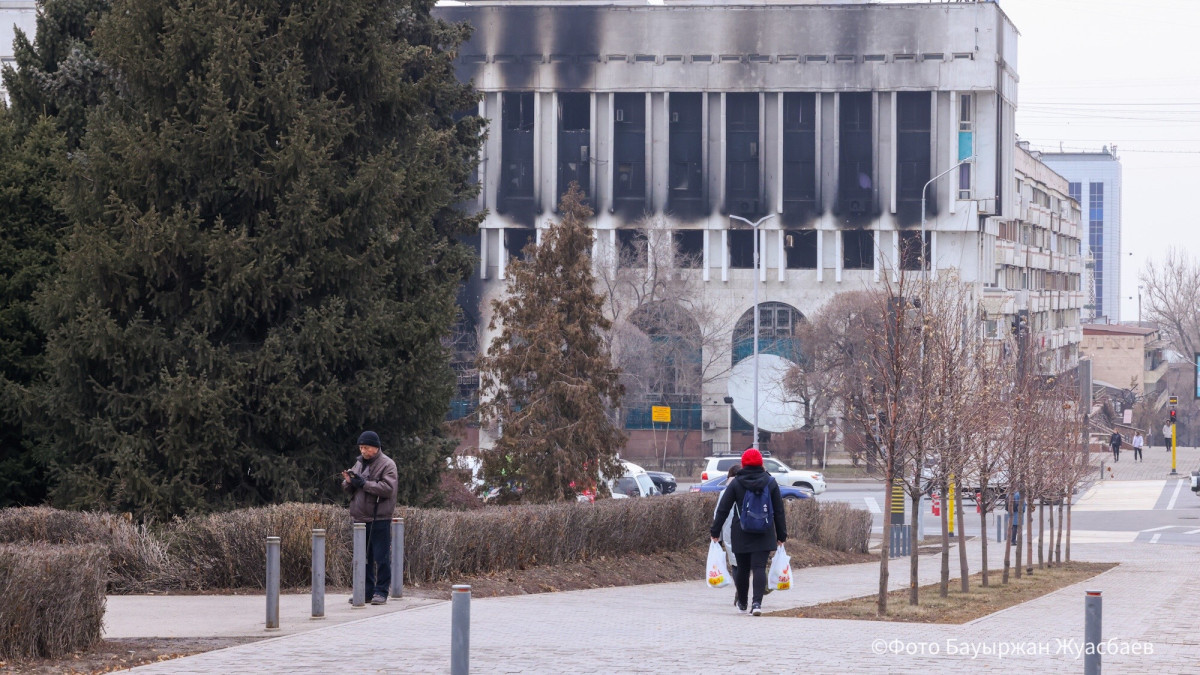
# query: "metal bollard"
272 583
358 599
397 557
460 630
1092 614
318 574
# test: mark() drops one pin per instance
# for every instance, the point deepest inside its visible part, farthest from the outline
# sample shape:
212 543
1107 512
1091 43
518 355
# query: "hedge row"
227 550
52 602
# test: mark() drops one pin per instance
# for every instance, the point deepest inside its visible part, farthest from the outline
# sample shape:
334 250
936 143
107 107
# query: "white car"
810 481
634 482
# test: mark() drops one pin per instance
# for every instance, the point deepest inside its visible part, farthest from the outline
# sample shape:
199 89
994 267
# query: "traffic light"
1172 417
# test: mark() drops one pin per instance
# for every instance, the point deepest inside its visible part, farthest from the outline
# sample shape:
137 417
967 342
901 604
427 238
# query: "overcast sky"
1124 73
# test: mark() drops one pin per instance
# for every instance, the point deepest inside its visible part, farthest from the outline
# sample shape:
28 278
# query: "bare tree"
667 327
1172 294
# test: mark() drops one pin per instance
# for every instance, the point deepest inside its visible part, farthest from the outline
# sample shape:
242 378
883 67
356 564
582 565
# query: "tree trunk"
1050 539
885 551
1008 540
944 582
1068 552
1058 544
1019 520
962 539
914 523
983 537
1029 538
1041 535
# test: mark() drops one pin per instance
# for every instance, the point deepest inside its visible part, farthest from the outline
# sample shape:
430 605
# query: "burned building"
838 120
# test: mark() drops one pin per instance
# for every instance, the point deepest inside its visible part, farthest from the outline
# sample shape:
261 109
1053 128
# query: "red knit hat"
752 457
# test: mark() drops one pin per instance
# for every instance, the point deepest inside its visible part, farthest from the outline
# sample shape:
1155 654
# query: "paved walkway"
1149 599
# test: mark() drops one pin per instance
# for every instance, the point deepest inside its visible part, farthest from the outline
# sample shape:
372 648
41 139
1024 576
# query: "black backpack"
757 512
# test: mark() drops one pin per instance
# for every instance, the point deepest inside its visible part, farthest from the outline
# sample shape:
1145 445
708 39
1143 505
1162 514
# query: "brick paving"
685 627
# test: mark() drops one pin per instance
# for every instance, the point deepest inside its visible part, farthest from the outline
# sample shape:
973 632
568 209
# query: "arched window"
661 359
777 323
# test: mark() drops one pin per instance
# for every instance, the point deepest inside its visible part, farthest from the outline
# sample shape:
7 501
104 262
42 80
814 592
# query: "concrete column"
358 599
272 583
318 574
397 557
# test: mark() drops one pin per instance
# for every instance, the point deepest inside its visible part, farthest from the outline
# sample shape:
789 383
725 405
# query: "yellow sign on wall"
660 413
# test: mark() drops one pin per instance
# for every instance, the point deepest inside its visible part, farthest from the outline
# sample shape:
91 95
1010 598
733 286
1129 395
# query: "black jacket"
750 478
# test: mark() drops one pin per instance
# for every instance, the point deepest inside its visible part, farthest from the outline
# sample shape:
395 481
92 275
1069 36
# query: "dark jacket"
1115 439
750 478
376 499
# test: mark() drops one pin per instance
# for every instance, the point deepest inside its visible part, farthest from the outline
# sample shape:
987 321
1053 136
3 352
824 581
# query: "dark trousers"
1137 453
1116 453
379 558
746 562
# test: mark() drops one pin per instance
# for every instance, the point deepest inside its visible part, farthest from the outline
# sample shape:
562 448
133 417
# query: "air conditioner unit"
964 194
709 426
858 206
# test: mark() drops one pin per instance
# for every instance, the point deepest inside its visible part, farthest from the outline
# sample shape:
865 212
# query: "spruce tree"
548 380
263 256
54 80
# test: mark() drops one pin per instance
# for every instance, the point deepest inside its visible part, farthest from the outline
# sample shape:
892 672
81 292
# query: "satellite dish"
776 413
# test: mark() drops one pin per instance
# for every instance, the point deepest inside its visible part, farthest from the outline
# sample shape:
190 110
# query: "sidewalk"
680 627
1155 464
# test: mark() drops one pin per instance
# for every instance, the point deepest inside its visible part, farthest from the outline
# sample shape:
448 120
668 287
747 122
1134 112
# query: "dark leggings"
757 561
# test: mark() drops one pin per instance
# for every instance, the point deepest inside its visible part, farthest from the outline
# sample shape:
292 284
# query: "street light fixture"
969 160
754 228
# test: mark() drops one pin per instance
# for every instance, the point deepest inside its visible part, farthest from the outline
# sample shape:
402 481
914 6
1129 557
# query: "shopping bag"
718 573
780 576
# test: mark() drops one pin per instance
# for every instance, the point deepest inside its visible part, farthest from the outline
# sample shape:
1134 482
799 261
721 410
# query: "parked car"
814 482
635 482
664 481
786 491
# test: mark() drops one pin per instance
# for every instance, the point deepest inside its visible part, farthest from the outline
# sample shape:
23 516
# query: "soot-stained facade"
830 118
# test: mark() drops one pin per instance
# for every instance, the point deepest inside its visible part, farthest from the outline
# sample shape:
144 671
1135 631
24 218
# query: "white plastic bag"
780 576
718 573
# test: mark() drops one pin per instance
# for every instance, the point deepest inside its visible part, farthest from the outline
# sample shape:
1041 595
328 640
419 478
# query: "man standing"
1115 442
372 486
1138 442
1167 437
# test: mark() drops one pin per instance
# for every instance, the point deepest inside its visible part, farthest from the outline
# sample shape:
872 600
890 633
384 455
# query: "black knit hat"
369 438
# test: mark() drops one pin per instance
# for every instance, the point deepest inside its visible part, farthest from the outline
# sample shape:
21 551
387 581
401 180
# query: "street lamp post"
929 182
754 228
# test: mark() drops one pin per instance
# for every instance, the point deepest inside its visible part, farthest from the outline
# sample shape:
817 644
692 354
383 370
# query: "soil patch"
113 655
957 607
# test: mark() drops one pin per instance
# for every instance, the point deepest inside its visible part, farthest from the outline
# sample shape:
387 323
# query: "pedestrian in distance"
1115 442
1138 442
1166 431
372 483
759 526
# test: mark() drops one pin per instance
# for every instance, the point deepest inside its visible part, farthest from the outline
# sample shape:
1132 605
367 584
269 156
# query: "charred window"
856 168
516 150
632 248
686 154
913 128
741 154
800 246
858 249
688 248
799 154
515 241
741 249
911 250
574 138
629 151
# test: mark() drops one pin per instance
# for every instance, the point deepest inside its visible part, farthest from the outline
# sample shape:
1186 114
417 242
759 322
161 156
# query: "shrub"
138 561
53 599
843 528
229 550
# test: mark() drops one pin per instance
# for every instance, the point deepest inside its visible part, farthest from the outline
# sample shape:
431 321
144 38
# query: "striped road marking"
1125 495
872 505
1175 495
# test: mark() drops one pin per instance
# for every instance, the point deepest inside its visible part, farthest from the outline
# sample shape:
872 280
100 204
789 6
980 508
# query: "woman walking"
753 497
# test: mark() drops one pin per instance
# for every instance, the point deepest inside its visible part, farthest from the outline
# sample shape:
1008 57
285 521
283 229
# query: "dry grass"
52 601
138 559
226 551
957 607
